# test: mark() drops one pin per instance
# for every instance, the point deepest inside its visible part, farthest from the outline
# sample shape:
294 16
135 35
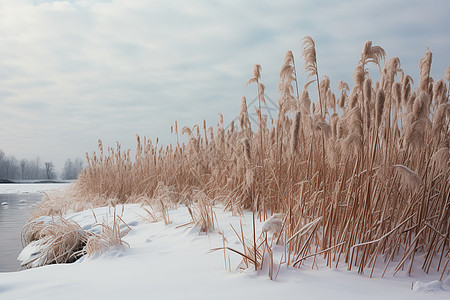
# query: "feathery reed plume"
334 118
305 102
244 121
408 177
367 98
246 143
353 99
439 118
379 106
425 67
256 75
220 120
390 70
397 94
358 76
261 90
188 131
295 132
353 141
373 54
406 88
324 85
343 87
447 73
287 76
441 159
367 91
288 58
309 55
353 123
331 100
415 134
310 66
439 92
420 106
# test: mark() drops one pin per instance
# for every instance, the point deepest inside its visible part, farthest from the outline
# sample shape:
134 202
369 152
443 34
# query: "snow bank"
175 262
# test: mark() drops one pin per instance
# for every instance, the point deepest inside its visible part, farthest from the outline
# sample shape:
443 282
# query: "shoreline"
6 181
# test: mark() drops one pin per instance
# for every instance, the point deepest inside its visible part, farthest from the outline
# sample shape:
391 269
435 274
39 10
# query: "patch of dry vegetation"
54 240
369 167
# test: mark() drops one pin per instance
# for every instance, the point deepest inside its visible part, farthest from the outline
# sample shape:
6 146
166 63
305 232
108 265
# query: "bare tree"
36 176
49 168
72 168
23 164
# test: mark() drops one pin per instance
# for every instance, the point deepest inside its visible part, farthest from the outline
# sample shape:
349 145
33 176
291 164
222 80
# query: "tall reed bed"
368 166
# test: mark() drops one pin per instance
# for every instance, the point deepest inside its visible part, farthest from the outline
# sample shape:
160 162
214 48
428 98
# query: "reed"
370 176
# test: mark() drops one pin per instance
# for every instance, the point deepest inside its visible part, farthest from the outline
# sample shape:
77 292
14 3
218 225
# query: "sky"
73 72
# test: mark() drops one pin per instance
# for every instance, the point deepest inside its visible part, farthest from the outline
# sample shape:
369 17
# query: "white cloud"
74 71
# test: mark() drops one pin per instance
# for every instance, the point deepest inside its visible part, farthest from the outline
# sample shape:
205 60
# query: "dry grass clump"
202 213
110 237
55 241
369 168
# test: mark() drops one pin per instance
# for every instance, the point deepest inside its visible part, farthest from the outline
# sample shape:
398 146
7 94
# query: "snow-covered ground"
175 262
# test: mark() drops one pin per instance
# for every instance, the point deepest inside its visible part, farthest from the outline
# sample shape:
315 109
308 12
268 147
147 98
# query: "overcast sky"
73 72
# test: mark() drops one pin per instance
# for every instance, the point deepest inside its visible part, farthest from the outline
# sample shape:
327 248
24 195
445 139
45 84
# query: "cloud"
75 71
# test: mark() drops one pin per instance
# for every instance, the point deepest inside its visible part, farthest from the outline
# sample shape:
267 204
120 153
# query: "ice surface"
23 188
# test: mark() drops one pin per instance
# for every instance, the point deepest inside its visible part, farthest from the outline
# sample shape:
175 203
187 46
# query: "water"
21 200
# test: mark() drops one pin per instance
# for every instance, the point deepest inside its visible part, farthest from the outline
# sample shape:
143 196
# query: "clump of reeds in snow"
355 168
51 241
203 215
110 237
54 240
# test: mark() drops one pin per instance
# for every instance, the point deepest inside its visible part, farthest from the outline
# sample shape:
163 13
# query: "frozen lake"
17 201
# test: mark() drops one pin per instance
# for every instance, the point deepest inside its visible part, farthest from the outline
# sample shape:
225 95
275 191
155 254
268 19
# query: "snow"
272 225
174 261
429 287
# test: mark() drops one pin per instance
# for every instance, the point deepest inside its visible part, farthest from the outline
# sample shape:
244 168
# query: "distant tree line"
72 168
24 169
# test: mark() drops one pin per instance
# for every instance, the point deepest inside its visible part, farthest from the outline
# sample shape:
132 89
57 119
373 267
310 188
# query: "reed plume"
310 66
371 54
244 121
295 132
379 107
425 68
408 177
343 87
